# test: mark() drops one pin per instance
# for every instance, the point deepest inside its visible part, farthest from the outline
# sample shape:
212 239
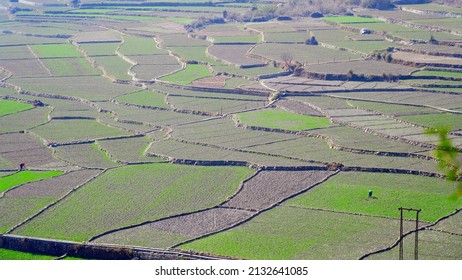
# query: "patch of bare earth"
54 187
270 187
22 148
211 82
297 107
234 54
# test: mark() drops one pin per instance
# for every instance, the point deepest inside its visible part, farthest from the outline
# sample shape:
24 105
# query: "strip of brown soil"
22 148
298 107
212 82
270 187
168 232
54 187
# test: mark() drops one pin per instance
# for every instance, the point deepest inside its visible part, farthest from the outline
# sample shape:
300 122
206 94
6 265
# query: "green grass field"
348 192
6 254
146 192
10 107
275 118
55 50
186 76
10 181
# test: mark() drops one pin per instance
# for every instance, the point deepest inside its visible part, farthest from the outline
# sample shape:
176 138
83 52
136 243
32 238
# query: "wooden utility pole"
401 233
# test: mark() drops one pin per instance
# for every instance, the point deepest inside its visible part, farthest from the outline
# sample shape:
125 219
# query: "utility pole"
401 233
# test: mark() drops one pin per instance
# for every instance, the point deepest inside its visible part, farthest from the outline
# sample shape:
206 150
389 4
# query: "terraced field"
218 127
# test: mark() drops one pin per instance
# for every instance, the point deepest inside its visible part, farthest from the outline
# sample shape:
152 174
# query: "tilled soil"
298 107
22 148
212 82
54 187
168 232
270 187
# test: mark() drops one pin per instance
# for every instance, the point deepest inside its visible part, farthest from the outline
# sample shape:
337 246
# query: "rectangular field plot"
184 151
159 189
75 130
24 120
215 105
70 67
137 46
286 37
303 53
25 68
128 149
234 54
55 50
323 102
348 192
279 119
293 233
94 88
99 49
190 73
84 155
145 98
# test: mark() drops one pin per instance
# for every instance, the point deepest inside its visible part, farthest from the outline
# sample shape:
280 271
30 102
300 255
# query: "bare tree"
287 59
